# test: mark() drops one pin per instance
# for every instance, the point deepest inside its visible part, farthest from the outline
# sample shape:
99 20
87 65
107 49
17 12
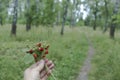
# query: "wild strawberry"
41 49
43 56
30 51
46 52
47 47
35 55
39 44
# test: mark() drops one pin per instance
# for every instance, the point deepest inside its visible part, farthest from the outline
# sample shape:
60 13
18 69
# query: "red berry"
41 49
47 47
35 55
30 51
46 52
39 44
43 56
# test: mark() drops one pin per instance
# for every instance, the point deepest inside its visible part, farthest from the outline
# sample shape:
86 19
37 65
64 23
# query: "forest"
84 37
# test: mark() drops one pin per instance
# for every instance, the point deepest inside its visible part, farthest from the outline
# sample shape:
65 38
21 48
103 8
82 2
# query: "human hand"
38 71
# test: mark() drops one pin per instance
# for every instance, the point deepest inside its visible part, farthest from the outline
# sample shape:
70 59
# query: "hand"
38 71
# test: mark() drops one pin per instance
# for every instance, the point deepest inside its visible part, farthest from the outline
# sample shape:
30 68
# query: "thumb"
40 65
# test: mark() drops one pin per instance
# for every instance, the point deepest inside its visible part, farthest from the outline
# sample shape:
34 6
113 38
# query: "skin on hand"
38 71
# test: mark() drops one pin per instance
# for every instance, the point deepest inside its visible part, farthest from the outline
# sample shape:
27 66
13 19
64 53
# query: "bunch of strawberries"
39 51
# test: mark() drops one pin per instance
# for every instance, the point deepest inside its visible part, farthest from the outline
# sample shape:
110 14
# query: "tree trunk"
71 20
95 15
13 30
63 24
113 25
14 26
94 26
112 30
106 20
73 14
1 22
64 17
28 17
62 29
28 26
37 12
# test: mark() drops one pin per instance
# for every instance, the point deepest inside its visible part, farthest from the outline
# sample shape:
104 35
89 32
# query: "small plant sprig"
39 51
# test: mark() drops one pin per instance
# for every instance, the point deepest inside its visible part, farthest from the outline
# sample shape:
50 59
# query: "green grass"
106 61
67 52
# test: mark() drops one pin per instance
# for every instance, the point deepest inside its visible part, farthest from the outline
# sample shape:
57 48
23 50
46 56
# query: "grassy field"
106 61
67 52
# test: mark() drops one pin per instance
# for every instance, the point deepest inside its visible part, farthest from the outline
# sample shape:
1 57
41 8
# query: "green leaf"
28 59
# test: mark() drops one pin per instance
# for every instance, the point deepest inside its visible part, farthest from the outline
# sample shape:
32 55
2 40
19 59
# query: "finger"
49 72
44 78
51 66
49 63
42 74
42 70
39 65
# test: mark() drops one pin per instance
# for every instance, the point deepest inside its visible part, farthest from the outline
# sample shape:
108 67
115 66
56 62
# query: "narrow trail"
83 75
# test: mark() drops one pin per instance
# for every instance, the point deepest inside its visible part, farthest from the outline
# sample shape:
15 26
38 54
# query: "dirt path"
83 75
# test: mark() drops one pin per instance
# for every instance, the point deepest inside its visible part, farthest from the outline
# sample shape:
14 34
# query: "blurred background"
68 26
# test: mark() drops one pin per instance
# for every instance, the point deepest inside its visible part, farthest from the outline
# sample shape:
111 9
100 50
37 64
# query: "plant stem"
50 73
